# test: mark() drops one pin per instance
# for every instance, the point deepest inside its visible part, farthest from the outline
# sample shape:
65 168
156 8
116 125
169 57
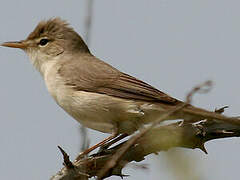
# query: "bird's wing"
93 75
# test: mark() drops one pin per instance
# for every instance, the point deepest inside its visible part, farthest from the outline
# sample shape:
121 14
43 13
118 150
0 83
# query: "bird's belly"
101 112
87 109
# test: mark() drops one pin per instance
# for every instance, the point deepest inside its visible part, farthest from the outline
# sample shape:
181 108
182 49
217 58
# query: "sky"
170 44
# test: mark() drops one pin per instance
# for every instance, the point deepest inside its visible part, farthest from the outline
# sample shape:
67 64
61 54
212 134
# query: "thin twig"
85 140
88 25
88 21
202 88
221 110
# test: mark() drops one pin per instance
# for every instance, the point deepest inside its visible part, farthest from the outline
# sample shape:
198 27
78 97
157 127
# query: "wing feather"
93 75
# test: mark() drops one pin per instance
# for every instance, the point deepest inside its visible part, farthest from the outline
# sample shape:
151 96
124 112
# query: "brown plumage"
92 91
57 29
97 76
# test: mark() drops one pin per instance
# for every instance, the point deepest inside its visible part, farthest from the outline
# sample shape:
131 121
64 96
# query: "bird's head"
50 40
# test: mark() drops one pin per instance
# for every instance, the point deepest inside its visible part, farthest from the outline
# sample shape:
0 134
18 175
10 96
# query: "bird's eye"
43 42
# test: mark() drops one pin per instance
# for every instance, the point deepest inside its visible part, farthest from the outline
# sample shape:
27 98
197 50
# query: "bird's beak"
15 44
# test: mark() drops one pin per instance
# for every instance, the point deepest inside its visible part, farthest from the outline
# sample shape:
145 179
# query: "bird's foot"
105 146
87 151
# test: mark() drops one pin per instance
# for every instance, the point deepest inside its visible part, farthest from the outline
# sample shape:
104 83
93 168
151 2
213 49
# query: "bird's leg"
109 143
82 154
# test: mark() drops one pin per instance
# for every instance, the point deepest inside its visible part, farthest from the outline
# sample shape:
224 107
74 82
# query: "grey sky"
170 44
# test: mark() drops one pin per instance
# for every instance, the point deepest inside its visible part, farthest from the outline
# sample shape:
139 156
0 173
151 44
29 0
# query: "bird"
93 92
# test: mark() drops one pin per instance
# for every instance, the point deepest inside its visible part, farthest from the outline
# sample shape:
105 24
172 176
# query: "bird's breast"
87 108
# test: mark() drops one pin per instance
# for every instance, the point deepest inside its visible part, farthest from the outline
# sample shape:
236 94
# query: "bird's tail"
191 113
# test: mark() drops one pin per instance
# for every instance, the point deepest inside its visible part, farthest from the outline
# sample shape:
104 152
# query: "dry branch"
157 139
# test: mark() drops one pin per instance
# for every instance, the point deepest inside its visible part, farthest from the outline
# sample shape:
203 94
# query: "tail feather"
196 114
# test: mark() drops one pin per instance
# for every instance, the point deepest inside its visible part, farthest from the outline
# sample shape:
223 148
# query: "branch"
157 139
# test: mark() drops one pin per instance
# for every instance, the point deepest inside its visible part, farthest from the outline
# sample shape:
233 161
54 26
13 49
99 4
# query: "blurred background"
171 44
